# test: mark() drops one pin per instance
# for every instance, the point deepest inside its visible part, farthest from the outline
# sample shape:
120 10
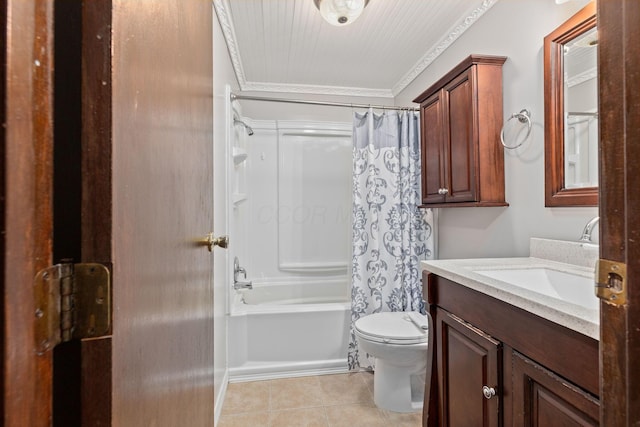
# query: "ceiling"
286 46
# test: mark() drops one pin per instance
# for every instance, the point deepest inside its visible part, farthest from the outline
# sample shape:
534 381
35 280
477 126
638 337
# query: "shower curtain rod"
331 104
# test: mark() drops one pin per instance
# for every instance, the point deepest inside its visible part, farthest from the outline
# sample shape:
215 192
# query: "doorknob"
210 241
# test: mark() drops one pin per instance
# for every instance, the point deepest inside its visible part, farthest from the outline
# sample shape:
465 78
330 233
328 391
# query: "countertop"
572 316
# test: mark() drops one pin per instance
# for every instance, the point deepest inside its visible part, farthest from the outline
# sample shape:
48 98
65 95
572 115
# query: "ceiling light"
340 12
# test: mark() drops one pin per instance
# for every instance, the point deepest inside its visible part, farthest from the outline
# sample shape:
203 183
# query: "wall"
516 29
295 222
286 111
222 75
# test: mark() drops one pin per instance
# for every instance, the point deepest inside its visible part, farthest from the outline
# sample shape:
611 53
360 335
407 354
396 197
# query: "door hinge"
611 281
73 301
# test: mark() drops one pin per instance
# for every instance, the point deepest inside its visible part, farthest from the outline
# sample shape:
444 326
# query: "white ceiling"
286 46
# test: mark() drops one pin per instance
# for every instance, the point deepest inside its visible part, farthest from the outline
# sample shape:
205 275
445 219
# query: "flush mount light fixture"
340 12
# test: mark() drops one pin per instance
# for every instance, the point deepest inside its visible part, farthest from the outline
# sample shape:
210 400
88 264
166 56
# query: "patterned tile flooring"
321 401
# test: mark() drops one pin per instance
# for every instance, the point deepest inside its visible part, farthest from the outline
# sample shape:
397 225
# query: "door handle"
210 241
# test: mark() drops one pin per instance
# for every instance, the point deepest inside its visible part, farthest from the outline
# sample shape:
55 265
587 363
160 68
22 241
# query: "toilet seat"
401 328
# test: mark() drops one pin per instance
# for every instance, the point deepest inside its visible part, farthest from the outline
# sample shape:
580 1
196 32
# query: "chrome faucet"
237 270
586 233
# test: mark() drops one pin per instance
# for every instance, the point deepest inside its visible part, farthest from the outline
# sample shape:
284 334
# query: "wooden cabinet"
469 364
461 119
542 398
542 374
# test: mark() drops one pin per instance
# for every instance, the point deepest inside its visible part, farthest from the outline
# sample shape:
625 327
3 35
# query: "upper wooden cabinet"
461 119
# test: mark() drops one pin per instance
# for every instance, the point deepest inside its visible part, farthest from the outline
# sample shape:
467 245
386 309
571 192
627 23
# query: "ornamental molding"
223 12
442 45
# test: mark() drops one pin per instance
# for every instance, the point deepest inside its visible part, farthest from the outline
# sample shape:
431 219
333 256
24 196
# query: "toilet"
399 342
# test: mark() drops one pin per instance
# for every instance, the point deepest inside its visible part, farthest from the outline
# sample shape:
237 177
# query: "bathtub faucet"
237 270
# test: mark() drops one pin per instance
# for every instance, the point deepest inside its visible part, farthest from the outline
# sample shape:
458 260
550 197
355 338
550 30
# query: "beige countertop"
561 311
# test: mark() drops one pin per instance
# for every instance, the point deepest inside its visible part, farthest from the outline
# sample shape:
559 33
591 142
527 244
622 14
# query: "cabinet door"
468 360
461 127
432 141
541 398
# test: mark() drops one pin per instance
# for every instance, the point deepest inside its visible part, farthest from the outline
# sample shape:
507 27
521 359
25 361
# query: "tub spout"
237 285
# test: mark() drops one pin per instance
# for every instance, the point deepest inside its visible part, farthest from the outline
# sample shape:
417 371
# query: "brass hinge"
611 281
73 301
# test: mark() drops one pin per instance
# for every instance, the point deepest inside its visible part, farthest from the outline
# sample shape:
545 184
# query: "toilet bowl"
399 342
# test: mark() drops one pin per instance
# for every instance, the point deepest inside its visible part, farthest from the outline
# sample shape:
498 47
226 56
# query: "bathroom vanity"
510 348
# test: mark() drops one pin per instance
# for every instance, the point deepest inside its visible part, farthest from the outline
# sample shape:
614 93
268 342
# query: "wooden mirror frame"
555 192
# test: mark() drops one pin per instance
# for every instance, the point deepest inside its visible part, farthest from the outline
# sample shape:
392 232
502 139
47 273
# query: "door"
146 189
619 107
542 398
460 168
433 147
469 366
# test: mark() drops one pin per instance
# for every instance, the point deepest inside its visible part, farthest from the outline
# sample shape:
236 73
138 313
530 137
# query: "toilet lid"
393 327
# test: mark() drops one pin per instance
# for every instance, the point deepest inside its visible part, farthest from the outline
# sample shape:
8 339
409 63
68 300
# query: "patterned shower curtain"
390 233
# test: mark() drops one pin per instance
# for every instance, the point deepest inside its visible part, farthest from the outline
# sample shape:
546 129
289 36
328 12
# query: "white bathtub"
283 330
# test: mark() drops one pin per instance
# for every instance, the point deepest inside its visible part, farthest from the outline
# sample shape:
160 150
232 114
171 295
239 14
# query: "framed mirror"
571 111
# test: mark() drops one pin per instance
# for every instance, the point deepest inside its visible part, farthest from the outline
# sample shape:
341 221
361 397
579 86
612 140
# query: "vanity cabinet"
469 362
542 398
461 119
498 365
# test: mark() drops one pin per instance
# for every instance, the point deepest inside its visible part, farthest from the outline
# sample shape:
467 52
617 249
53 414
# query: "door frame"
26 196
619 106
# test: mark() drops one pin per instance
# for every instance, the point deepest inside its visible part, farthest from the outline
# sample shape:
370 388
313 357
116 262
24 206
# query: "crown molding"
316 89
435 51
223 12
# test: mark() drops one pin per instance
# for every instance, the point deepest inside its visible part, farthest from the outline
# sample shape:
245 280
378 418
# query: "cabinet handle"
488 392
445 191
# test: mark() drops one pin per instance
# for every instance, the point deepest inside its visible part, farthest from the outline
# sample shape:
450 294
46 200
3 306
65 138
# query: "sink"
561 285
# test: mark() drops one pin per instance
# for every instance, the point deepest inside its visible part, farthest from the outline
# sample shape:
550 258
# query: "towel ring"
524 116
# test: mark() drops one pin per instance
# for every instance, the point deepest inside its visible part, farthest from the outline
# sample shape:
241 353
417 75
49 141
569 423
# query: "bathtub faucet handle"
238 270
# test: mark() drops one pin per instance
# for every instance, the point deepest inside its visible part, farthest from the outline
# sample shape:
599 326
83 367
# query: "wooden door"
460 167
619 119
162 204
145 130
433 149
542 398
468 360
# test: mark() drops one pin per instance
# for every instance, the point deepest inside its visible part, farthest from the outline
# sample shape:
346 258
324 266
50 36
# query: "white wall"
295 224
516 29
286 111
222 75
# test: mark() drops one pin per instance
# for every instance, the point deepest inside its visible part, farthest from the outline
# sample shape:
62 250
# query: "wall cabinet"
461 119
498 365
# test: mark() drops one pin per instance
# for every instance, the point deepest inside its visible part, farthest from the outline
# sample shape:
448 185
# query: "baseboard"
219 401
270 371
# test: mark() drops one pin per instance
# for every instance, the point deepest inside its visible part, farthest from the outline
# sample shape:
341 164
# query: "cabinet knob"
445 191
488 392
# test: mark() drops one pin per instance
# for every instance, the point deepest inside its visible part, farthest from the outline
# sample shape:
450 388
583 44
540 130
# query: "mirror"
571 111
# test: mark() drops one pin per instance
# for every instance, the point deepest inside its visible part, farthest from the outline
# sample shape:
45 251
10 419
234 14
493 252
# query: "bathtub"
289 329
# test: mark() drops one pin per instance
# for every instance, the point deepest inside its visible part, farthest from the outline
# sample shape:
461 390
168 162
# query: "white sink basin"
568 287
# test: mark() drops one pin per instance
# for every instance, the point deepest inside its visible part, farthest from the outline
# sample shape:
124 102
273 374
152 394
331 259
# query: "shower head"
246 126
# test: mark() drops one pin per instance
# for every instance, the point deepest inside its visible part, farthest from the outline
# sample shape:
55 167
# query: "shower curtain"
390 233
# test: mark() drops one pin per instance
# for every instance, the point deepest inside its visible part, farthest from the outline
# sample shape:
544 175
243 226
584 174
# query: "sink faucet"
586 233
237 270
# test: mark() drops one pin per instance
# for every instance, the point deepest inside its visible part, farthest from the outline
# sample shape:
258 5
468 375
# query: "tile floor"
321 401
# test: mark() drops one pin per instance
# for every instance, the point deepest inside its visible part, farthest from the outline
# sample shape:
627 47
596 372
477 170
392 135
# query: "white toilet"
399 343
